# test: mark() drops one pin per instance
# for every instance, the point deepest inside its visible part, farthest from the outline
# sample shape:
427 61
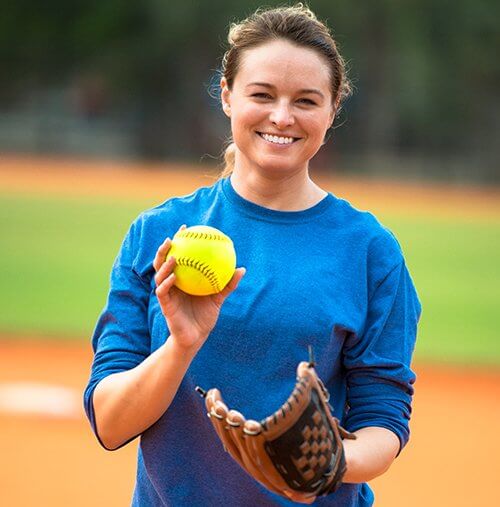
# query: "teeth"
277 139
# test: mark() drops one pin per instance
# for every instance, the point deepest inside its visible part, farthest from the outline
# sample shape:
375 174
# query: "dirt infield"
159 181
450 461
54 460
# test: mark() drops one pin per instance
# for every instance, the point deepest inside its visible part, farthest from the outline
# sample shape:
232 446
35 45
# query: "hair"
296 24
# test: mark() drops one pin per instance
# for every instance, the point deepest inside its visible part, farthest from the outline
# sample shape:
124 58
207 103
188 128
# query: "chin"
279 167
273 164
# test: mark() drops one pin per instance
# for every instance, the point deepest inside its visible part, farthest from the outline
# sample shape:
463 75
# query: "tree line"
425 73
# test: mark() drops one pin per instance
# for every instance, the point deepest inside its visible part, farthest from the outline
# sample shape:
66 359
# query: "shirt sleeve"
377 361
121 337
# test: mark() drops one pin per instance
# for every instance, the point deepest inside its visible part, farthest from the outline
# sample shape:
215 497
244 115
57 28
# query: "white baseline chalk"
30 398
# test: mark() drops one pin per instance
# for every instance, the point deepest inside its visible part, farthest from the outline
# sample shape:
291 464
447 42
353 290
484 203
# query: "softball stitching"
203 268
202 235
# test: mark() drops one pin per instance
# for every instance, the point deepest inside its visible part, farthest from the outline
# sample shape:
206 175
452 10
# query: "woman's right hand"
190 318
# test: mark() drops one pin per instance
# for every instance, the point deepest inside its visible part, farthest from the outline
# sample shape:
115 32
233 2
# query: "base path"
157 182
53 458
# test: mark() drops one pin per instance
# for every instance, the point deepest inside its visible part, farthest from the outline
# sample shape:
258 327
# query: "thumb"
239 273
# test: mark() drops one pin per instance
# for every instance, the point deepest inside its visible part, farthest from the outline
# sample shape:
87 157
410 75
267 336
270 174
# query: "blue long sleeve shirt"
330 276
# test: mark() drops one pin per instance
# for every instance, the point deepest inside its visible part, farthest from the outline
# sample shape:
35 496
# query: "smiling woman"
318 272
282 86
281 106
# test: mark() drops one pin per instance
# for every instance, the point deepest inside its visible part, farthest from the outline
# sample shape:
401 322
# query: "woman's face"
280 106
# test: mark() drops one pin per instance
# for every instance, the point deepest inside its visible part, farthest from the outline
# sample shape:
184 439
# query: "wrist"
370 455
183 348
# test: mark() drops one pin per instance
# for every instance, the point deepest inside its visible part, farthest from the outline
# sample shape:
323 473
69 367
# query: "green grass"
456 268
56 254
55 258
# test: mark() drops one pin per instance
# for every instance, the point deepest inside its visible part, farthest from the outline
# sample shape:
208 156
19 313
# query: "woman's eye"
307 101
266 96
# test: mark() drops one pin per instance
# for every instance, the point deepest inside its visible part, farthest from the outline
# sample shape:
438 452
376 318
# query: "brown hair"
297 24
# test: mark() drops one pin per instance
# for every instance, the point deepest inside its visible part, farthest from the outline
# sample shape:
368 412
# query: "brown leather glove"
297 452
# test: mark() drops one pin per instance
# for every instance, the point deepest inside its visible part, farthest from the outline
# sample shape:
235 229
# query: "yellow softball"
205 260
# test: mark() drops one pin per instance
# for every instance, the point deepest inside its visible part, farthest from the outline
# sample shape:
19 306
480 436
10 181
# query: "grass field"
56 253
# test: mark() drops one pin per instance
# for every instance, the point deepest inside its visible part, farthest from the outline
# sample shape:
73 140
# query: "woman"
317 271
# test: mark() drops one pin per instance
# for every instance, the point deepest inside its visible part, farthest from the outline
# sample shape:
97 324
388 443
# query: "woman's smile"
278 140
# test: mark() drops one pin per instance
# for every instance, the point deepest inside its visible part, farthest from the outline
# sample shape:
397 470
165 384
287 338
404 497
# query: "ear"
225 96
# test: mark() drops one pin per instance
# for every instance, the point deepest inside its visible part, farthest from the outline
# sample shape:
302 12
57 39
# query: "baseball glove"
297 452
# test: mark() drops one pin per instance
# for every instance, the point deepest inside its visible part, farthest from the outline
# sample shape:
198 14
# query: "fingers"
161 254
165 278
163 249
165 287
165 270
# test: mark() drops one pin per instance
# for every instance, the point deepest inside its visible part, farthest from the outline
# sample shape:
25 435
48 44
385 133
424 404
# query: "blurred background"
108 108
131 79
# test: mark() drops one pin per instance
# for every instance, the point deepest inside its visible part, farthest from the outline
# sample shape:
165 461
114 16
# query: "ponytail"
229 156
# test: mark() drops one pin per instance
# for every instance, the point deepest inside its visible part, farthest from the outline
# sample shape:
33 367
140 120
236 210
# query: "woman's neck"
288 192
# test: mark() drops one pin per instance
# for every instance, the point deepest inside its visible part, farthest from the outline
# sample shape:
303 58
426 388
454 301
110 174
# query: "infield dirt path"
452 458
159 181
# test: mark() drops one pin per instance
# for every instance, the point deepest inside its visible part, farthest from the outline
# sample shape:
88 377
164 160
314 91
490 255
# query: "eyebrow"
304 90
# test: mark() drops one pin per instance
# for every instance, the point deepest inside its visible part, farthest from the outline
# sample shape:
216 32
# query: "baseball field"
61 224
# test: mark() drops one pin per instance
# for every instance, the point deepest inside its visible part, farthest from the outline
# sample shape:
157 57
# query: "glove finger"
255 445
236 423
217 411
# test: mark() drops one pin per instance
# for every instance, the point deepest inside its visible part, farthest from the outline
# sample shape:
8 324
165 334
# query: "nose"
281 115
